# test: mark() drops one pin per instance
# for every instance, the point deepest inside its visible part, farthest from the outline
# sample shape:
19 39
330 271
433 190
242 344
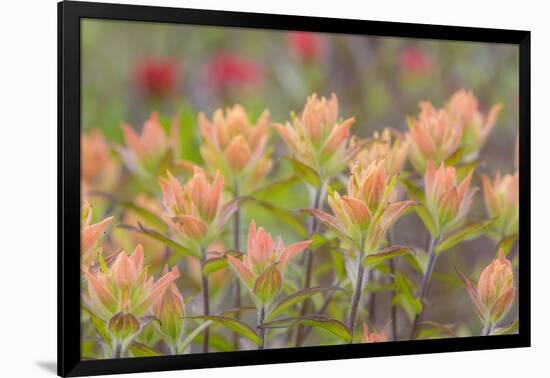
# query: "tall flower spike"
144 151
364 215
196 211
90 234
390 146
264 264
236 147
318 138
448 202
433 135
476 127
495 290
502 202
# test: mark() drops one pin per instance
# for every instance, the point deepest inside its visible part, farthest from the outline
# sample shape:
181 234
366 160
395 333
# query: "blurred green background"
379 80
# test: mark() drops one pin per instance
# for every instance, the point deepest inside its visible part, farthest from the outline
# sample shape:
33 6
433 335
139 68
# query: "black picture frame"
69 16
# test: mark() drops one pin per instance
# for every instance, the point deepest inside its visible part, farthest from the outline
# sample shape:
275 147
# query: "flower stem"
205 302
117 352
486 331
237 247
261 330
356 295
393 308
432 257
309 261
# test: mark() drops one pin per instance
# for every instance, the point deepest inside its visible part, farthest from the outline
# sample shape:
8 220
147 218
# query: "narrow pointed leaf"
512 328
218 263
386 254
285 303
469 232
507 243
234 325
287 217
174 245
146 215
275 187
305 172
412 190
472 291
189 339
426 218
141 350
333 326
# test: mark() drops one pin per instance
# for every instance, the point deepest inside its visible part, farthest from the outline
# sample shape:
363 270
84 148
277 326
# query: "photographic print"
247 189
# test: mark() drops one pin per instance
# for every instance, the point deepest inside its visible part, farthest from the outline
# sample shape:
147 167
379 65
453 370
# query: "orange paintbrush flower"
495 290
502 202
264 264
318 138
122 295
236 147
448 201
144 151
390 146
169 310
90 234
476 127
433 135
196 210
364 215
374 337
99 170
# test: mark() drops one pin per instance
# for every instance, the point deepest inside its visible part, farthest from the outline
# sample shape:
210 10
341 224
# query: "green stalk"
432 257
309 262
352 318
261 317
205 302
486 331
237 246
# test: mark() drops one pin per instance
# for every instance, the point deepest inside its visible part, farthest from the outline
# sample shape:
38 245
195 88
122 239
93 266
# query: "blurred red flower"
226 69
157 77
414 60
307 46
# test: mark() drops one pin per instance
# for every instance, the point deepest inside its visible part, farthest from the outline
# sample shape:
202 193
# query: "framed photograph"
253 189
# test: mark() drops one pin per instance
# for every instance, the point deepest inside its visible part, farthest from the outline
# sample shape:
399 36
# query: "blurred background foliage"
130 69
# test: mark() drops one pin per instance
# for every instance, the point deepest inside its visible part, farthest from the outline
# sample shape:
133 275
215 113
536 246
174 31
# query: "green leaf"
174 245
275 187
412 190
305 172
405 296
333 326
189 339
286 217
145 215
512 328
465 169
234 325
100 326
426 218
469 232
142 350
386 254
285 303
507 243
454 158
217 263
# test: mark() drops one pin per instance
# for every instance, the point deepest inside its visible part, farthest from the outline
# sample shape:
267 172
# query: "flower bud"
122 326
496 287
374 337
502 202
